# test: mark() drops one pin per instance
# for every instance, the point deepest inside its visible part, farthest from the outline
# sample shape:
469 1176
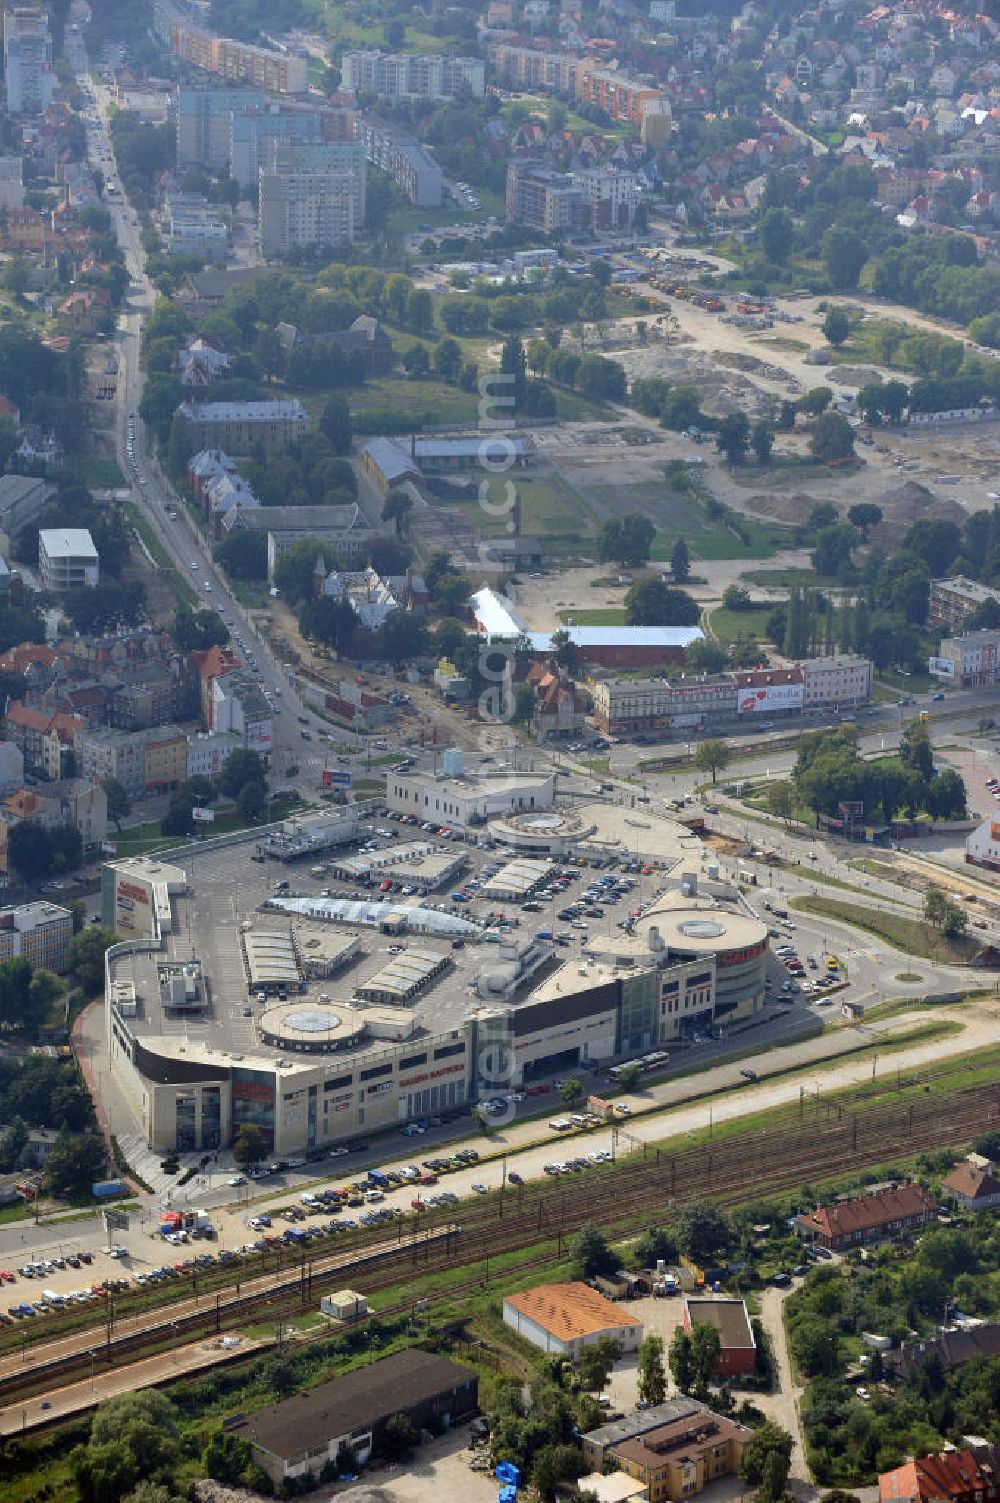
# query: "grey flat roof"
641 1421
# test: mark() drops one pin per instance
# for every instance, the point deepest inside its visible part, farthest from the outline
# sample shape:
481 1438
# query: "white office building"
67 558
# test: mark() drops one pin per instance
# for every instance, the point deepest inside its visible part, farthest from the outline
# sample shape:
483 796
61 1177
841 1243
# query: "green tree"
525 705
703 1231
732 437
590 1254
119 803
198 630
629 1077
864 516
571 1090
706 656
239 768
133 1439
419 309
844 254
656 1243
243 554
706 1348
335 425
13 1142
712 756
85 956
396 508
831 438
249 1146
76 1161
681 1360
767 1440
596 1361
564 649
295 571
399 1437
627 540
652 1375
448 360
29 850
773 1478
762 440
779 800
836 327
251 802
774 230
416 362
833 555
915 750
680 561
513 368
816 400
649 602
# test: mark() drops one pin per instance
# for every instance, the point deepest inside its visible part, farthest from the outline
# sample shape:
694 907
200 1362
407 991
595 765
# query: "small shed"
345 1304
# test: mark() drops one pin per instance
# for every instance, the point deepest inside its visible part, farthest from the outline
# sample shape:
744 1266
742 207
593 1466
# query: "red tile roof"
870 1212
972 1181
569 1311
949 1474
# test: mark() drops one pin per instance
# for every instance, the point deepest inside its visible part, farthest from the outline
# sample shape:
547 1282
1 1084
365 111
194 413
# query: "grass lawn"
912 936
550 509
380 403
612 615
787 579
98 473
727 625
682 514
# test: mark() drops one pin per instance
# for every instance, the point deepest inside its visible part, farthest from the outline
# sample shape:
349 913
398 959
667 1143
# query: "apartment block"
27 59
310 194
204 124
842 680
430 75
591 198
402 158
619 96
238 62
39 932
144 762
67 558
952 601
541 198
241 427
252 127
533 68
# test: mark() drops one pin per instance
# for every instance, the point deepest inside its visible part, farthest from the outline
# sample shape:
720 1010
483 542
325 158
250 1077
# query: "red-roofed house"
28 728
878 1217
973 1184
965 1476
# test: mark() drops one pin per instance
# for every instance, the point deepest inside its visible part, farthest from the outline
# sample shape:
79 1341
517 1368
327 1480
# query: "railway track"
828 1139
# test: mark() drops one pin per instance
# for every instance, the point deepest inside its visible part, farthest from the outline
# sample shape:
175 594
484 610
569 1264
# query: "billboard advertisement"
109 848
332 779
203 816
765 699
941 667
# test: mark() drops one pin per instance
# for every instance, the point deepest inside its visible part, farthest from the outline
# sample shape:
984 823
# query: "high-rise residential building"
204 117
310 193
427 75
599 198
541 198
27 58
251 129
